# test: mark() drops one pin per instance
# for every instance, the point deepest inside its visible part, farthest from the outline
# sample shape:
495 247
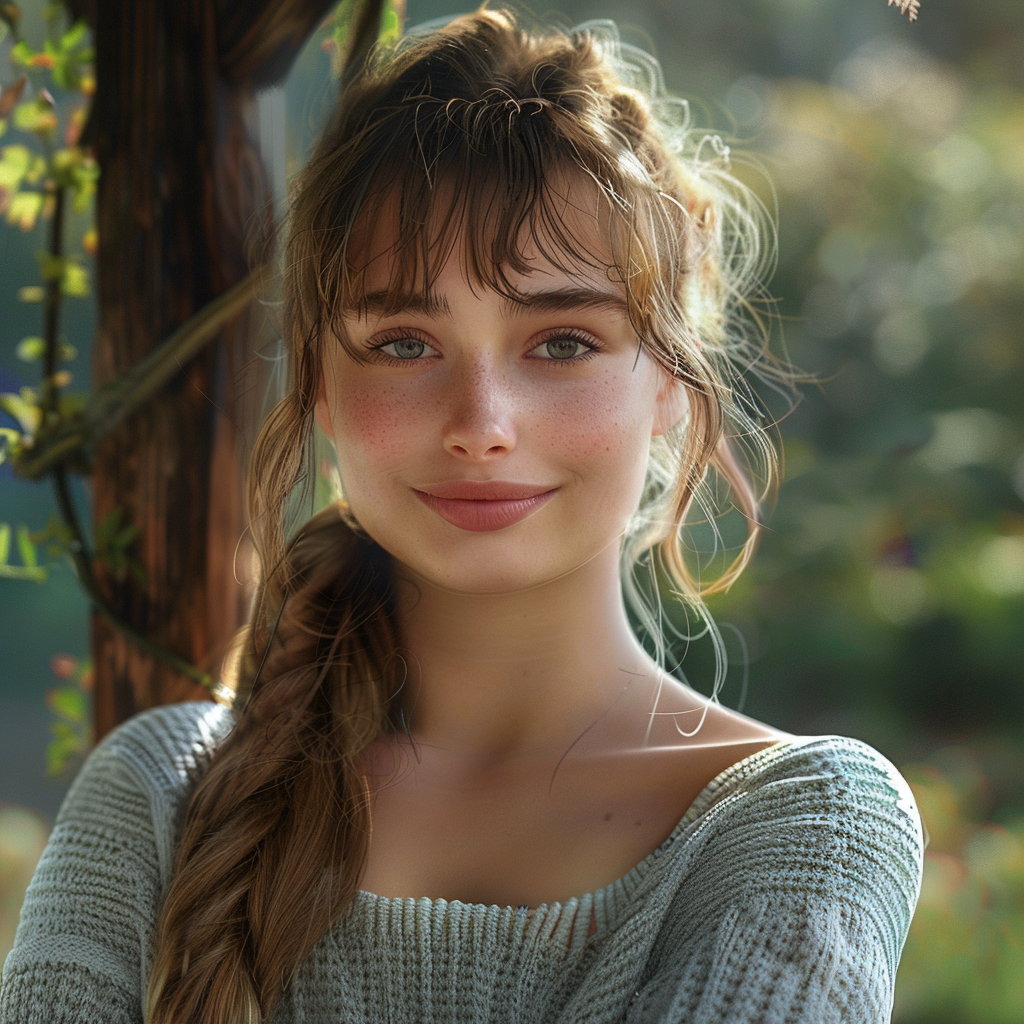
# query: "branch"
82 559
51 353
116 400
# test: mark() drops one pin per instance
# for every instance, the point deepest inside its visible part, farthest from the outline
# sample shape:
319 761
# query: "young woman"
453 786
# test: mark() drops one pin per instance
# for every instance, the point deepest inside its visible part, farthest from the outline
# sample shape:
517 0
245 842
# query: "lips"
483 505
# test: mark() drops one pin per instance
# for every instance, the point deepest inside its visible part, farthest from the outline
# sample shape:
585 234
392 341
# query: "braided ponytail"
277 829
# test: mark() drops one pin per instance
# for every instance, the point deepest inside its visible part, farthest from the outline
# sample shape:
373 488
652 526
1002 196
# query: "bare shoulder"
693 740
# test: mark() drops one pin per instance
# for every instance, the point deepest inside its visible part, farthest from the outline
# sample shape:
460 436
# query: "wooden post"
182 192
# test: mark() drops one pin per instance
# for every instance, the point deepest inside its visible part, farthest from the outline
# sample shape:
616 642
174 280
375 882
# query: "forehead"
565 238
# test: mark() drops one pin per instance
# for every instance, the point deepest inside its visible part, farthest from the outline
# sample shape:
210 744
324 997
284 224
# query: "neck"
497 676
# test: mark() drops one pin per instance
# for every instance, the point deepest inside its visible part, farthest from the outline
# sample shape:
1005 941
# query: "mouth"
480 506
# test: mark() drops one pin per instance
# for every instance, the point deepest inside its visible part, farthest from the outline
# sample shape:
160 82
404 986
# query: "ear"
671 405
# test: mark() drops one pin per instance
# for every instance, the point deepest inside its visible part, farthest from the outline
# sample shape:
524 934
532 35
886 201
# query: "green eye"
562 348
404 348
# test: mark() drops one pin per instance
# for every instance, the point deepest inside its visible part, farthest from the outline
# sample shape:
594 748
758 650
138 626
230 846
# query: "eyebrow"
386 304
560 300
557 300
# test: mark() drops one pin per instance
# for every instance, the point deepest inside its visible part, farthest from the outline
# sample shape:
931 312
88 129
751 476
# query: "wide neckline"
393 906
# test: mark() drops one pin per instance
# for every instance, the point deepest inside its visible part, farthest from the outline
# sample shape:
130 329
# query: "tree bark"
183 200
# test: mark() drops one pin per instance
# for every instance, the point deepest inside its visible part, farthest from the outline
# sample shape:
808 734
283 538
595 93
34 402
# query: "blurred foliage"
43 107
892 579
23 835
337 26
71 704
963 958
29 568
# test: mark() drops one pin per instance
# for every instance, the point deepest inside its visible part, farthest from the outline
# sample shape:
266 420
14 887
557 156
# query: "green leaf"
56 535
23 408
36 170
26 548
69 702
24 210
391 26
31 293
58 753
67 73
75 281
83 191
66 744
73 37
30 348
21 53
37 574
36 116
5 542
10 442
14 164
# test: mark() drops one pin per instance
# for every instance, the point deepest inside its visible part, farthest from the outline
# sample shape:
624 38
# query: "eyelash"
377 353
571 334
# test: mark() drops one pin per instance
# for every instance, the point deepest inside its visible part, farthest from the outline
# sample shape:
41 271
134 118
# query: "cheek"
374 425
608 423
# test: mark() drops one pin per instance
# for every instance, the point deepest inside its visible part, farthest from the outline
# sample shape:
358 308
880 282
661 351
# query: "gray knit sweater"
784 895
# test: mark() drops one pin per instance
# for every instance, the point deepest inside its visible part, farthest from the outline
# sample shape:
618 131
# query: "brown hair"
278 827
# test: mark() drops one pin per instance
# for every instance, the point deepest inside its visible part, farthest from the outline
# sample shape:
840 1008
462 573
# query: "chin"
467 566
521 557
472 576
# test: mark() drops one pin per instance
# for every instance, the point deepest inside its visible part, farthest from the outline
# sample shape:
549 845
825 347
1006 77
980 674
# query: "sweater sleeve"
82 948
796 909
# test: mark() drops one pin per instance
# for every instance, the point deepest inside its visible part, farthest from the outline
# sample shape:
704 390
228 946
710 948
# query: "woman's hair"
467 136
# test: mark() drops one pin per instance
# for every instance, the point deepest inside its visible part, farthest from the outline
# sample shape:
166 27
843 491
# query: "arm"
799 904
82 949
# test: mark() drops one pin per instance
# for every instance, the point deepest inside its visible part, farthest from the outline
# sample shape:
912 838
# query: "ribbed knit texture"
783 897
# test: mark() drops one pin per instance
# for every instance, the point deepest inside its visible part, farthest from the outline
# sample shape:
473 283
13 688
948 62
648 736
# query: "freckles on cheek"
593 423
375 423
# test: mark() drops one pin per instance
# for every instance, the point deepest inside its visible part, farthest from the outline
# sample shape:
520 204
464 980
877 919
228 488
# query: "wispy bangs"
498 180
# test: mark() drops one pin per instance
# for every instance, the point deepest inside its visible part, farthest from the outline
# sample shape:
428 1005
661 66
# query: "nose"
480 425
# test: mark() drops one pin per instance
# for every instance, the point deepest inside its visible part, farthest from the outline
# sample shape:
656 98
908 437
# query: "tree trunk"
182 192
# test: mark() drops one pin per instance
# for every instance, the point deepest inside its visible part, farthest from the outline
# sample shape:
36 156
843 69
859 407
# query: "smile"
483 506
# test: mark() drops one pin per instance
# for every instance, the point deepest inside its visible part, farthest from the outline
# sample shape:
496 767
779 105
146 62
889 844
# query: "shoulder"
835 775
90 909
138 778
168 745
795 884
823 814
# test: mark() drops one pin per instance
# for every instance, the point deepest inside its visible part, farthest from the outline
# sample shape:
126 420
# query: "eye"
404 349
565 347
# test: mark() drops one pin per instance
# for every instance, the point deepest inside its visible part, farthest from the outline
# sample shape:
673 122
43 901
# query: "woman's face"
492 446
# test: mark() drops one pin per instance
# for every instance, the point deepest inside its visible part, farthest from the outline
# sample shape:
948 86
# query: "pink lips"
483 505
